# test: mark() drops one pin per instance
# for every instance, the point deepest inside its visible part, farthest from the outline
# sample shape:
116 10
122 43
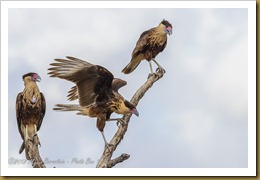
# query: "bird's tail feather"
21 148
131 66
26 151
67 107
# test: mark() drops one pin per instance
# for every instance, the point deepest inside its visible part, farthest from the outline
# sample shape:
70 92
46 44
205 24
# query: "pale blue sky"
194 117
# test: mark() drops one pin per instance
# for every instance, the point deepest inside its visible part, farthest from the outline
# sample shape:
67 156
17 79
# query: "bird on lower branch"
96 89
149 45
30 110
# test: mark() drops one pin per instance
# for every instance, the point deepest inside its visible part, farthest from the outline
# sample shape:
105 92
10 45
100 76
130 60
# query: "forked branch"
105 160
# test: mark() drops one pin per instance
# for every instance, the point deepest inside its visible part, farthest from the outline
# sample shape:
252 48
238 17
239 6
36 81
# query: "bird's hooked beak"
169 30
38 78
134 111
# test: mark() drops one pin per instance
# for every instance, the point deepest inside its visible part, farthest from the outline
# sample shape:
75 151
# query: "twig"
33 152
105 160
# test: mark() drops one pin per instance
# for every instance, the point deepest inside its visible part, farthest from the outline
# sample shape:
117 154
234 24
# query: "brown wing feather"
42 112
117 84
73 94
138 52
93 81
164 45
142 43
19 112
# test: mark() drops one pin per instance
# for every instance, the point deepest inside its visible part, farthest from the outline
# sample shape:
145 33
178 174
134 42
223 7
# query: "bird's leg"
26 141
35 130
26 137
119 120
106 143
160 68
151 68
35 134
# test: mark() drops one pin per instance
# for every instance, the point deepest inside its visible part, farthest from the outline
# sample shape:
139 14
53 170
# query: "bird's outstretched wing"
93 81
116 84
19 112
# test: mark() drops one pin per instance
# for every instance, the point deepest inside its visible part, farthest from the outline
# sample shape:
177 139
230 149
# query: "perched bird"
149 45
30 109
96 88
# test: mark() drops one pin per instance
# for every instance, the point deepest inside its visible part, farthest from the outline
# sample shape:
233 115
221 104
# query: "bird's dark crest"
166 23
129 105
28 74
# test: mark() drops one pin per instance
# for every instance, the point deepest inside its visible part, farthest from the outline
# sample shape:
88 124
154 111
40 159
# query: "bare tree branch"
105 160
33 152
117 160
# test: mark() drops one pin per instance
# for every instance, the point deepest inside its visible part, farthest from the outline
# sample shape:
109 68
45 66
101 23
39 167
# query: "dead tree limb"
33 152
105 160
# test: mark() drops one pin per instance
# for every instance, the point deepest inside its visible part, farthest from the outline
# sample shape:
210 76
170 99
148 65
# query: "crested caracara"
149 45
30 109
96 89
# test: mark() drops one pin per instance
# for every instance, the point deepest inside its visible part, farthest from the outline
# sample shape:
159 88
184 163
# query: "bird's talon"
37 139
160 69
120 121
108 146
151 74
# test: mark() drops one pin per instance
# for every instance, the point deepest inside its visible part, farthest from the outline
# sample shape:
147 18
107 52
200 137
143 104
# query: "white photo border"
250 171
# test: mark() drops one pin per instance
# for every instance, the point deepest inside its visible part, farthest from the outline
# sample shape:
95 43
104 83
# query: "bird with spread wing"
96 89
149 45
30 109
